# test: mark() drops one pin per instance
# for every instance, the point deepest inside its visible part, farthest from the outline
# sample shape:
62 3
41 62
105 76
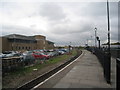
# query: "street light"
95 36
98 41
91 41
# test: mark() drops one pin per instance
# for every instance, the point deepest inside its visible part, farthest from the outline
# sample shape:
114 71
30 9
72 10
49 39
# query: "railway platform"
87 73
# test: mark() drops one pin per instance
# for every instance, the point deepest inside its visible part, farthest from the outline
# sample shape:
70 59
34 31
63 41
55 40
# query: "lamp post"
95 37
98 41
91 41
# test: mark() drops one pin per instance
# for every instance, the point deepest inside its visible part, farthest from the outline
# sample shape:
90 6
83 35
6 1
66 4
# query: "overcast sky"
61 22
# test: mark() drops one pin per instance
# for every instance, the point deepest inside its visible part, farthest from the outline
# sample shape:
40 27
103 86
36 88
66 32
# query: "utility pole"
108 27
109 54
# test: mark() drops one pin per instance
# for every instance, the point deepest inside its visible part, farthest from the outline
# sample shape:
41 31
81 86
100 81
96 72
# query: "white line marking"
56 73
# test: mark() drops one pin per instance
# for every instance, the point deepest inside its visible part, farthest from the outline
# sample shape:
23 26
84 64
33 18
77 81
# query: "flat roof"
17 36
50 42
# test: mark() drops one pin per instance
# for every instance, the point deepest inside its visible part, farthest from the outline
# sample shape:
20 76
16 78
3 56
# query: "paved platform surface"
87 73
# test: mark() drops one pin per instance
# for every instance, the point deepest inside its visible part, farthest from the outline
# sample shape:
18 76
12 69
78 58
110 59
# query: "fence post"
118 73
107 67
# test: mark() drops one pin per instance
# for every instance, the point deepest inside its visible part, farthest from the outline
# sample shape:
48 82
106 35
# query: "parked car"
27 55
65 50
2 55
61 52
38 55
27 58
56 53
10 54
7 52
51 54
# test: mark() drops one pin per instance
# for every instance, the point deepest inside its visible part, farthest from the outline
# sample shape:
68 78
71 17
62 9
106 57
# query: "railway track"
29 85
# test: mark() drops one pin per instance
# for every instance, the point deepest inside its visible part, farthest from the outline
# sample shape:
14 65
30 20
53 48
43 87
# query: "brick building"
17 42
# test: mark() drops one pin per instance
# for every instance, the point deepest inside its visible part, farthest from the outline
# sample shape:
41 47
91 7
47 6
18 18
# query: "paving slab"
87 73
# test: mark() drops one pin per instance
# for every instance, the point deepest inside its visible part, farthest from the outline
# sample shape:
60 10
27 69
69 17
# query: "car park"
30 57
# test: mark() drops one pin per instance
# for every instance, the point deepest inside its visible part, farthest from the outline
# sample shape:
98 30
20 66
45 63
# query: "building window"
22 47
44 42
19 48
29 48
12 47
16 47
26 48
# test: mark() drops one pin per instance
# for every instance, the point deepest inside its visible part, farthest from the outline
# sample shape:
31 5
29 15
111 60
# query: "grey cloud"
92 9
114 37
10 29
114 34
113 6
62 29
96 12
52 11
71 28
74 38
95 9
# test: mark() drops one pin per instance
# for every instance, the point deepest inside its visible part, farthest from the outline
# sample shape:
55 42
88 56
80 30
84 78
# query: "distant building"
50 45
17 42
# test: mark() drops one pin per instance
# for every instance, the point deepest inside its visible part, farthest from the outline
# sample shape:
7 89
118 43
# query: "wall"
41 41
5 44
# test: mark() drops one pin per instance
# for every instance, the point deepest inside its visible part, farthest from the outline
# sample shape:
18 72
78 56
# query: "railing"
105 60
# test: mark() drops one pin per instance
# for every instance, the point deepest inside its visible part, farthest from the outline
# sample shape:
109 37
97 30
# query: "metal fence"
105 60
12 64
